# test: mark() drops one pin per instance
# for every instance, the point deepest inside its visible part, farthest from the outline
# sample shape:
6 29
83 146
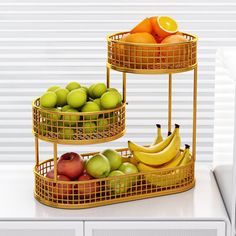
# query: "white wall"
47 42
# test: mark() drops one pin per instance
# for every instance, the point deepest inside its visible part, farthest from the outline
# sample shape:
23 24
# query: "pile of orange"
154 30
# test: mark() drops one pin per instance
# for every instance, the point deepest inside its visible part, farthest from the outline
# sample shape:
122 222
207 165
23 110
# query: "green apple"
61 96
66 133
98 101
90 107
113 157
72 86
43 129
53 88
89 127
118 185
85 89
48 99
98 166
102 124
90 90
98 90
51 116
129 168
76 98
65 108
109 100
71 119
120 99
111 118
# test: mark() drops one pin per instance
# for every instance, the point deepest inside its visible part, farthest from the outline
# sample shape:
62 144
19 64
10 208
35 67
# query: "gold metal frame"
62 194
105 191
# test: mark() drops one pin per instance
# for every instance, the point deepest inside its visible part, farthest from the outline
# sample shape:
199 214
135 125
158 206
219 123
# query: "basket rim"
109 39
79 113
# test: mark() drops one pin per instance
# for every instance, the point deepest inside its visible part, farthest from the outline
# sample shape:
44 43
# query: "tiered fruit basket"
52 127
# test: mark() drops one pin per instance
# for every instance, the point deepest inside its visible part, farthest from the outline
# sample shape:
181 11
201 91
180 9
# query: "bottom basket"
98 192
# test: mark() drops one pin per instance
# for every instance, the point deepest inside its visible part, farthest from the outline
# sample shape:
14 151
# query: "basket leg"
108 77
55 160
124 86
194 113
36 150
169 102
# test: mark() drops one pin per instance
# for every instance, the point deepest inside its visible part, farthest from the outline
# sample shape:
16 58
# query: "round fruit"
102 124
71 120
118 185
54 116
90 107
70 164
89 188
139 56
129 168
175 53
59 190
120 99
90 90
66 133
89 127
163 26
48 99
65 108
143 26
98 101
98 166
72 86
98 90
85 89
53 88
113 157
61 96
76 98
109 100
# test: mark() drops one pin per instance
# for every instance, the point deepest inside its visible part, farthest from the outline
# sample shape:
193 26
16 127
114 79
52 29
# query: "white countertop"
200 203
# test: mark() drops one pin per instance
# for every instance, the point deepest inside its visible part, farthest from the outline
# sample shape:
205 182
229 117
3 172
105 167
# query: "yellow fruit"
152 149
162 157
159 137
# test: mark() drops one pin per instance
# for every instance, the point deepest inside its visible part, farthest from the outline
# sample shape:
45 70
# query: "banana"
166 178
159 137
153 149
162 157
187 156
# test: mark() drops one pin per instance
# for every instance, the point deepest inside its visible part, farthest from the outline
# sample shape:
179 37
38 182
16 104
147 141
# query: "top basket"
151 58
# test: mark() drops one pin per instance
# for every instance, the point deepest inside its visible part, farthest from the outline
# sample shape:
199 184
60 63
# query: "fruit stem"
187 146
176 126
158 125
169 133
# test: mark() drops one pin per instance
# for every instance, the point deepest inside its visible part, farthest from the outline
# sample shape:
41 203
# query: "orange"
163 26
143 26
139 56
172 54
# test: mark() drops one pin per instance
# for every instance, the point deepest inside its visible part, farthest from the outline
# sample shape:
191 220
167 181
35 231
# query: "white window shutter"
50 42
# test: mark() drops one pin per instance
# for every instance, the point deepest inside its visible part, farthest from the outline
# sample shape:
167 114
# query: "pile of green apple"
72 167
76 98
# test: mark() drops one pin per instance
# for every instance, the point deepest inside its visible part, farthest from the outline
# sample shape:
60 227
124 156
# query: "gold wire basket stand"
126 58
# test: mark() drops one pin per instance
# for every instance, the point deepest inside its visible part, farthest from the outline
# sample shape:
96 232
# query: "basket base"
114 201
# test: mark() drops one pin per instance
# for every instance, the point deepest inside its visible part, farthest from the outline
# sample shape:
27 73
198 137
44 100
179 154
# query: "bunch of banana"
167 176
161 155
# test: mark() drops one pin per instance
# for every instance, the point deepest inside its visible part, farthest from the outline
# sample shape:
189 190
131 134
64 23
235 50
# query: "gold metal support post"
169 102
55 160
36 150
108 77
124 87
194 113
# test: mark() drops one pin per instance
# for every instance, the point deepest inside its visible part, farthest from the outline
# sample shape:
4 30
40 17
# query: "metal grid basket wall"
151 58
98 192
78 127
